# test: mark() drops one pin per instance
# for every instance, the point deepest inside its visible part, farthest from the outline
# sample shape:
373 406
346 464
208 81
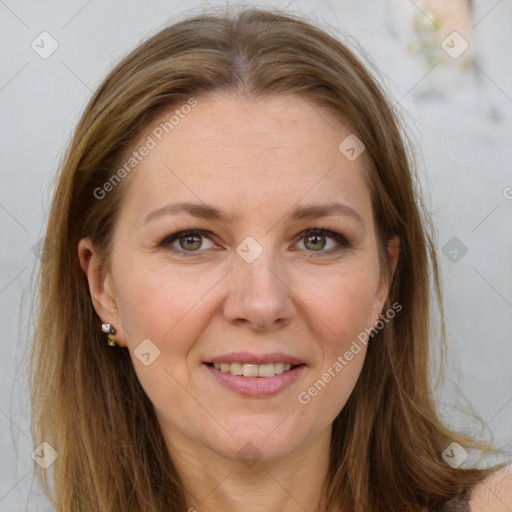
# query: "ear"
393 249
101 286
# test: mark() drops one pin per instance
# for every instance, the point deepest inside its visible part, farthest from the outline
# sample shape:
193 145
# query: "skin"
258 161
494 494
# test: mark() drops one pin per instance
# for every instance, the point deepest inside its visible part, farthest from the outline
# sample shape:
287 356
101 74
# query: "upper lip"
246 357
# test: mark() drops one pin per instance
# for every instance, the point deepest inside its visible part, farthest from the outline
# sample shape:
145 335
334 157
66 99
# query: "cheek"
161 303
341 307
166 307
343 302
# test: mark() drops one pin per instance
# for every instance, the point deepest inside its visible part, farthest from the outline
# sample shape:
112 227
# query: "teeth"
279 367
253 370
250 370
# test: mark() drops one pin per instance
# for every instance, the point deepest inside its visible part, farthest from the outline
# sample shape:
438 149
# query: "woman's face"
255 285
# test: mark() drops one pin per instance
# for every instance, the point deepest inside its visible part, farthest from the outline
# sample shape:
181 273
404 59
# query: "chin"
269 439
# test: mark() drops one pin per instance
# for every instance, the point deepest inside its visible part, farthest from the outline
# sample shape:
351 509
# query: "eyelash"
322 231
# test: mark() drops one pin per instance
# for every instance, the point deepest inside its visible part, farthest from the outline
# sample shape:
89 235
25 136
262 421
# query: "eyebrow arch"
208 212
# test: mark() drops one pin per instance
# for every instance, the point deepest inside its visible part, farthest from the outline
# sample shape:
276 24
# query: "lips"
256 387
240 372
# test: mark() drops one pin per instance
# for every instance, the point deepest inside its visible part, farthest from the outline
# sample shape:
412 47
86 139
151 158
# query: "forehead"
243 154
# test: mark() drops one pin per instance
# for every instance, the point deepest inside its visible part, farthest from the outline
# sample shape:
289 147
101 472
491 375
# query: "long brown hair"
387 442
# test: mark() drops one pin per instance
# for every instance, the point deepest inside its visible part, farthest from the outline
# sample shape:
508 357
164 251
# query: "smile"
255 380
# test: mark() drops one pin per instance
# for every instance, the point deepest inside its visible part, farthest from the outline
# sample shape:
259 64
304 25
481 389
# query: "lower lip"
257 386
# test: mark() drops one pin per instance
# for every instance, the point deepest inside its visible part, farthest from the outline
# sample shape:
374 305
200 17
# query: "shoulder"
494 494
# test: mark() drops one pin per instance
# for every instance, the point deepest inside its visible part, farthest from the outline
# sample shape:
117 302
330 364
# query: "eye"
190 241
314 239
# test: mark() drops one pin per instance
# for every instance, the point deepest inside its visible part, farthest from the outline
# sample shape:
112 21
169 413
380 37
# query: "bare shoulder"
494 494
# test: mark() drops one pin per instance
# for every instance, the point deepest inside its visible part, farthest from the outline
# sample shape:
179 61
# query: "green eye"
318 243
315 240
192 240
189 241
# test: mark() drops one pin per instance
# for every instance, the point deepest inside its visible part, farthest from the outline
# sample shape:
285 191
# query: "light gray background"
460 122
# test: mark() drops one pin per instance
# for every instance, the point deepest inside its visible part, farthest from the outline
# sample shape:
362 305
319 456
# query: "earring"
109 331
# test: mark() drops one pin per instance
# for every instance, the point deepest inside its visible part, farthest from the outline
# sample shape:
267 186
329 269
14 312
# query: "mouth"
267 370
254 380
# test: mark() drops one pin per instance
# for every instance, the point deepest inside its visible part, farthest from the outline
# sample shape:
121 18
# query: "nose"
259 294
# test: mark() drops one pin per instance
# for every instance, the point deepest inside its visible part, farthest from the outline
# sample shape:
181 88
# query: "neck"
213 482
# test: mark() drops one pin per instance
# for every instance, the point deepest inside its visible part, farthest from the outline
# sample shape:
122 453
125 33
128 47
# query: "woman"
236 308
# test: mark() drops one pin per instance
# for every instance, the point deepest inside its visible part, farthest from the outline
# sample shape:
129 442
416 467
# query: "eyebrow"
205 211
